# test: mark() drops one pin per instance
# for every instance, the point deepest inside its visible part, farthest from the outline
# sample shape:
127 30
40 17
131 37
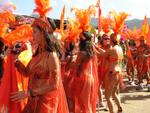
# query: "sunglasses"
106 39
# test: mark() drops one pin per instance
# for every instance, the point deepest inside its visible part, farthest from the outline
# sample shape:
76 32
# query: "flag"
99 15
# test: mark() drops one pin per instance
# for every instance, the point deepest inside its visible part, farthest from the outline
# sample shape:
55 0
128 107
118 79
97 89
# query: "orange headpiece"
83 16
106 24
119 20
42 8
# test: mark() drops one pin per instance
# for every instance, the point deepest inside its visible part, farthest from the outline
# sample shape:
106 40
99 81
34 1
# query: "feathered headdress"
83 16
119 20
3 29
131 34
7 17
73 31
42 8
21 33
145 27
106 24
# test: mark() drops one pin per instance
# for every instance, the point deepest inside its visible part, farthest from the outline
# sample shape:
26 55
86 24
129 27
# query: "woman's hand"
18 96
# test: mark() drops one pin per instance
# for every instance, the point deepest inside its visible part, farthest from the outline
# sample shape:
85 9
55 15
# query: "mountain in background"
130 23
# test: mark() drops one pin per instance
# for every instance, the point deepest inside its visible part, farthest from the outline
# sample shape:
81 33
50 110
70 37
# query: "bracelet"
16 60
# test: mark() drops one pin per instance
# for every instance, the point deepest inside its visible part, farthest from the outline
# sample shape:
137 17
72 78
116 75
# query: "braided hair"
1 60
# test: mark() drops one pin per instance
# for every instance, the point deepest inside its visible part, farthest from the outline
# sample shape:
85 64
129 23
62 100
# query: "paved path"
134 101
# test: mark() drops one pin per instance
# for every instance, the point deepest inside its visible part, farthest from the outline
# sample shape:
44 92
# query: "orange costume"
41 76
130 63
85 84
9 85
143 62
45 89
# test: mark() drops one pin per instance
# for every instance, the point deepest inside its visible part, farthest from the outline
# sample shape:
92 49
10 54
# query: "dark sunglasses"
106 39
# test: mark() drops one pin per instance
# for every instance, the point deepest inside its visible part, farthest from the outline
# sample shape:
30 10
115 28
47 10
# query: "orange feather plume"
119 20
148 37
21 33
131 34
106 24
42 7
7 17
3 29
62 19
73 31
145 27
83 16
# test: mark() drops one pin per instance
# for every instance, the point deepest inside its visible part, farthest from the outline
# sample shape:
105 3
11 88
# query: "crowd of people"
69 75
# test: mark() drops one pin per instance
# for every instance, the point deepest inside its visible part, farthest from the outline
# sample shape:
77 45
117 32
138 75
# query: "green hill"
130 23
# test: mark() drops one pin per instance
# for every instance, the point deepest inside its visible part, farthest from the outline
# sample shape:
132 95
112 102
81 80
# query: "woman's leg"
109 84
116 97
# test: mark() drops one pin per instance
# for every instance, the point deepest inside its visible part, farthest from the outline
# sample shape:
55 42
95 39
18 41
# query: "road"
133 101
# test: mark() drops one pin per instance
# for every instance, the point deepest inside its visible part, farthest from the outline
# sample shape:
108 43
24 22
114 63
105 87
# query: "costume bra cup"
40 70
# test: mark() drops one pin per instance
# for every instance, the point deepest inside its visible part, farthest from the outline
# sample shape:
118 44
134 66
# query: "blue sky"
136 8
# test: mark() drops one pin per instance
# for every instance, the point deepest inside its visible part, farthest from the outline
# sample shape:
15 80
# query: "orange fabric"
85 87
41 74
142 62
9 84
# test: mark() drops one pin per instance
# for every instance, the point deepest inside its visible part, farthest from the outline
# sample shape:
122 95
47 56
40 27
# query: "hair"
113 38
86 45
1 60
69 50
51 46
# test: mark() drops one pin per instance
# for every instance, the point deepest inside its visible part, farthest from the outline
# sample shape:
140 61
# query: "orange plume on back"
3 29
73 31
21 33
42 7
7 17
119 20
131 34
83 16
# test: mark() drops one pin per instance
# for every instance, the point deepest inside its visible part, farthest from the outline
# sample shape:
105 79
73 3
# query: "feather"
73 31
119 20
21 33
148 37
42 7
106 24
3 29
83 16
62 19
7 17
145 27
